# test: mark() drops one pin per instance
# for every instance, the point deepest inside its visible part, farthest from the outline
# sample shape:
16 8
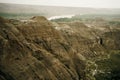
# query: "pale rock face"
62 16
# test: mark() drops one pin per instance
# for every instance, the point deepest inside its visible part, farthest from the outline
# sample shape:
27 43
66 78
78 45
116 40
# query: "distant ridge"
49 11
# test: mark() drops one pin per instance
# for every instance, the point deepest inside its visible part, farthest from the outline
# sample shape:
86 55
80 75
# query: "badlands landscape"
81 47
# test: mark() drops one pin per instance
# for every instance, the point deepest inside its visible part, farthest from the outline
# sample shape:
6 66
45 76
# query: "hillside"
38 49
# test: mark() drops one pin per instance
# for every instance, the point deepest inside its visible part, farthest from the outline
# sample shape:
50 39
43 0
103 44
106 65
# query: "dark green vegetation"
19 15
112 18
109 69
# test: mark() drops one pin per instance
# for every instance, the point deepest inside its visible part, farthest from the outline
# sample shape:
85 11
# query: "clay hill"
38 49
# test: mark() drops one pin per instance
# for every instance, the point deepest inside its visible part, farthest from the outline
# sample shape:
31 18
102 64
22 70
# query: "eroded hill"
38 49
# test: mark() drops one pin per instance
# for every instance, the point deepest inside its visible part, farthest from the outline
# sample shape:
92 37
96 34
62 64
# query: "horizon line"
59 6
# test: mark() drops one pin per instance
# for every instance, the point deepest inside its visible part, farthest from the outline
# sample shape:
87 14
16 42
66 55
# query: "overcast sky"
73 3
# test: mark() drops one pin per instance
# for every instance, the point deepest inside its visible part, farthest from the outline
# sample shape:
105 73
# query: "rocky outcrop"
36 50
